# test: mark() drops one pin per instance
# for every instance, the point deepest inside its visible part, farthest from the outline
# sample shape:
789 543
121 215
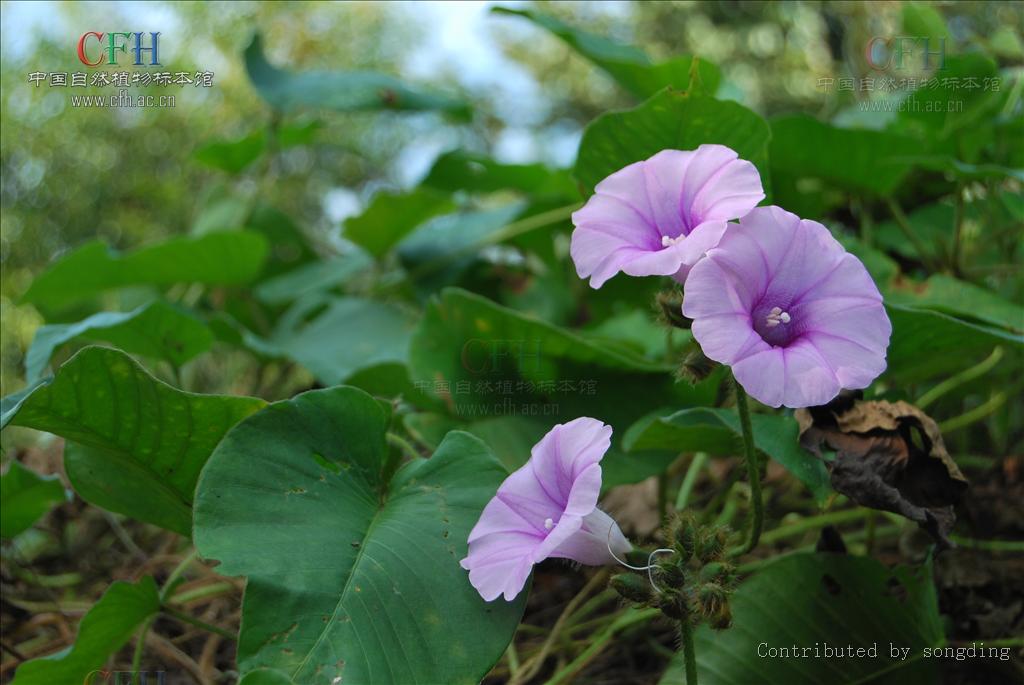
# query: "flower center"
775 317
548 524
666 241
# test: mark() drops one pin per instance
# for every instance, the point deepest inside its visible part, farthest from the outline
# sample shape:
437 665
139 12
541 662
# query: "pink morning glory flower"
659 216
547 508
795 316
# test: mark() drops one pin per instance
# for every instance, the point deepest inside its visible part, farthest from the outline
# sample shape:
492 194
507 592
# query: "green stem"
908 231
690 479
139 643
989 545
814 523
598 644
965 376
977 414
191 620
168 585
689 655
753 470
958 224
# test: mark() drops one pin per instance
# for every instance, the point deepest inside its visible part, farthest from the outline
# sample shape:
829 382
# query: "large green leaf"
628 65
220 258
851 159
461 170
717 431
349 335
950 344
674 120
484 360
146 441
357 575
25 496
343 91
391 216
158 330
817 600
104 630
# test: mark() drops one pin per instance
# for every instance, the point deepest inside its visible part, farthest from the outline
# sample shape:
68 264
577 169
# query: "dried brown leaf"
889 456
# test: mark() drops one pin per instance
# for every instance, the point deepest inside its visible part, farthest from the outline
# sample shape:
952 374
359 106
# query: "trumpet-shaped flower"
659 216
795 316
547 508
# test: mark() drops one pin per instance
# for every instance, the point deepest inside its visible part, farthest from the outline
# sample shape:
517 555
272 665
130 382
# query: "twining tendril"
650 561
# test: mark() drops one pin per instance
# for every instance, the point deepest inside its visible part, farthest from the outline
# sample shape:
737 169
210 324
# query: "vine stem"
753 470
689 655
165 591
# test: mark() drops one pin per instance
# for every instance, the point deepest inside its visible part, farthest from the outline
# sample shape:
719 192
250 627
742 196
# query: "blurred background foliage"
132 177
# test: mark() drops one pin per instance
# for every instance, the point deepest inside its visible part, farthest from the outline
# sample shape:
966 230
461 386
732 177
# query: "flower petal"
591 543
763 375
719 186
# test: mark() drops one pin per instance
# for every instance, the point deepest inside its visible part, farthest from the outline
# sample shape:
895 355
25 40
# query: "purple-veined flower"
795 316
547 508
659 216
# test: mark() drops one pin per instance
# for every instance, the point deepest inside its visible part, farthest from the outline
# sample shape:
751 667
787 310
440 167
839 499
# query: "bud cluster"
693 583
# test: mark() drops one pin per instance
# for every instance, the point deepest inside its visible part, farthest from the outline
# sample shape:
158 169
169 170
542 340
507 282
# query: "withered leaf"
889 456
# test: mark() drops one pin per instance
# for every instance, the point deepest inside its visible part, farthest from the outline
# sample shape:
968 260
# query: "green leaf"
945 107
147 441
358 575
223 258
25 496
391 216
673 120
718 431
924 21
628 65
952 344
158 330
351 334
856 160
814 600
313 277
343 91
232 156
965 300
484 360
104 630
461 170
438 251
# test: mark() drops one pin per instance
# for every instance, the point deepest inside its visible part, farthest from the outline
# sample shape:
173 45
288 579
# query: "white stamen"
776 316
666 241
548 524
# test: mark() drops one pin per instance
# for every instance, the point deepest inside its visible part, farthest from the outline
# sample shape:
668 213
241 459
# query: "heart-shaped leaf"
672 120
357 573
147 441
